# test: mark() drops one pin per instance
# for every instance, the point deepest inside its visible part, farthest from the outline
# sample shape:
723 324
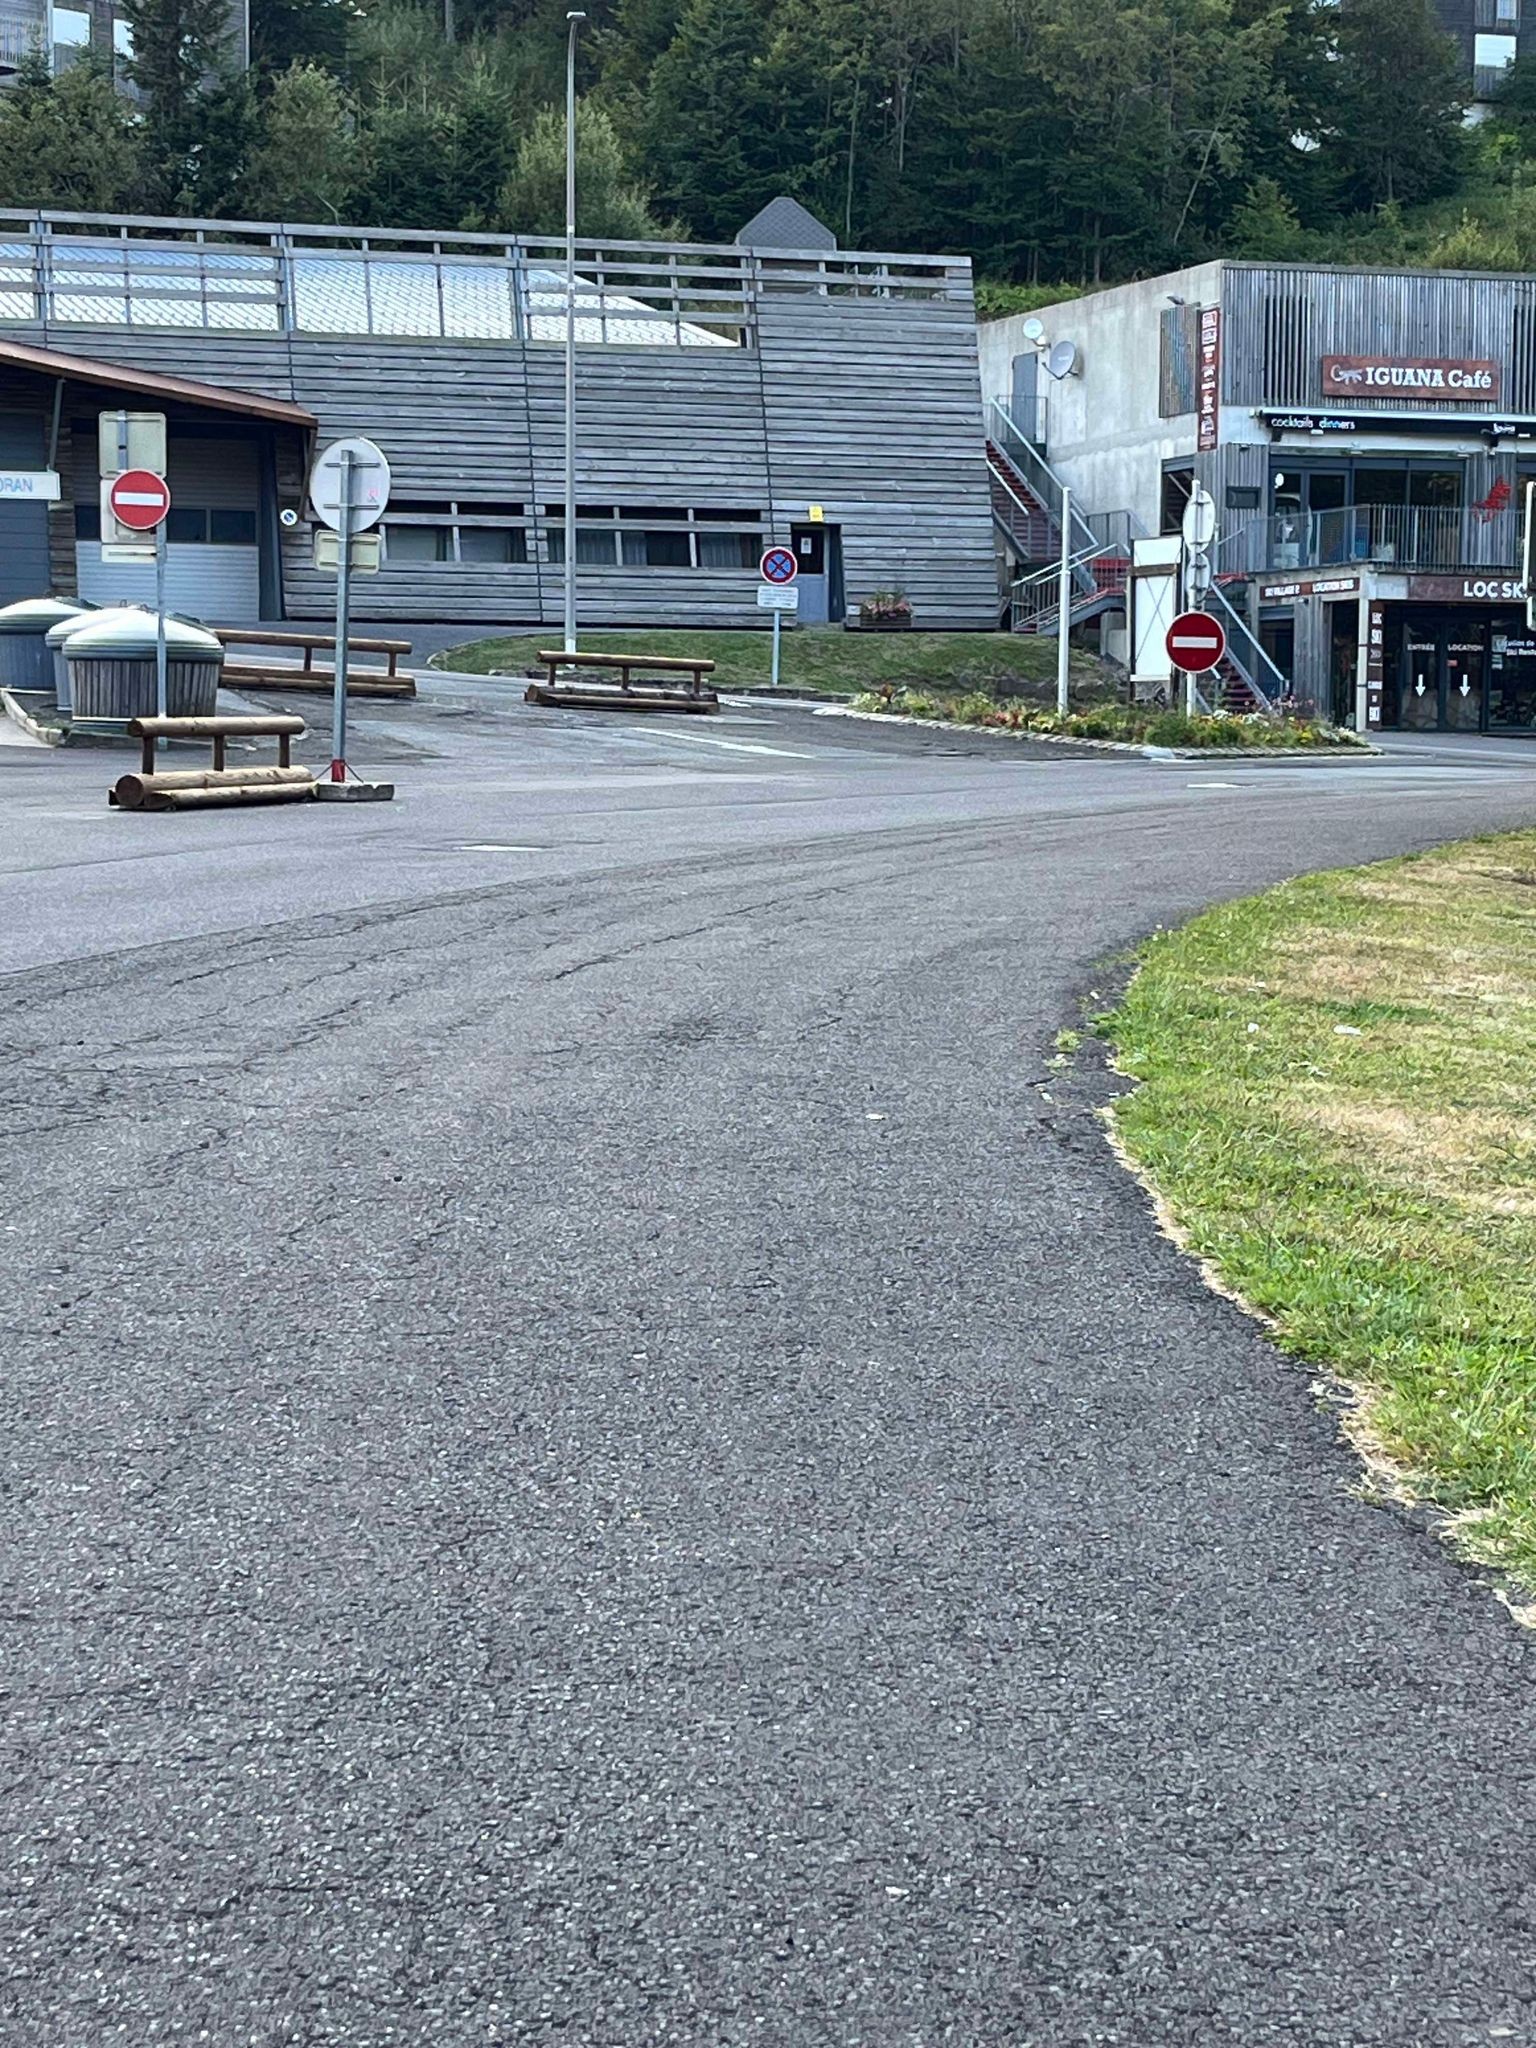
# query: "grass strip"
1335 1104
827 658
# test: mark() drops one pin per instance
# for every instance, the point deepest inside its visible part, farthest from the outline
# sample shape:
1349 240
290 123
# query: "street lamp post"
573 23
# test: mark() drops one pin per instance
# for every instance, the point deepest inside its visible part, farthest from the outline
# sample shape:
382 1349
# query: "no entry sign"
1195 642
778 566
139 499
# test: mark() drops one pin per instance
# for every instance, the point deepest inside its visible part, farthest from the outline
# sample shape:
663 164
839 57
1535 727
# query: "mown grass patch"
1336 1104
827 658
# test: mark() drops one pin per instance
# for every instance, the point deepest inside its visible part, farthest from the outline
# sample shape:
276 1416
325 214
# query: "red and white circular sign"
1195 642
139 499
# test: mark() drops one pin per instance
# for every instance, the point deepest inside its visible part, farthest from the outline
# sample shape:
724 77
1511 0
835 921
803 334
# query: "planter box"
883 626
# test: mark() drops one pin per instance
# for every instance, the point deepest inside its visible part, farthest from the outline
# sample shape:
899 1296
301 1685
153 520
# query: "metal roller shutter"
203 579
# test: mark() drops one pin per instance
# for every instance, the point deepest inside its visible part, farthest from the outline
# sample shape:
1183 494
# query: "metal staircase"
1027 501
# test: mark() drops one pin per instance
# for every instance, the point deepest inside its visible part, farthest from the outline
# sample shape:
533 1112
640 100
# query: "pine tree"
1397 104
609 205
707 117
70 141
287 32
306 162
179 51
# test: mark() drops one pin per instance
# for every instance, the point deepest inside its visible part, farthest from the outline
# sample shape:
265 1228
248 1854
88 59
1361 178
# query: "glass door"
1332 522
1419 701
1466 677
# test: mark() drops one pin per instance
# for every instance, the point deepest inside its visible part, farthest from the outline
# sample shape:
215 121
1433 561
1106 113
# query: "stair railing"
1037 474
1246 655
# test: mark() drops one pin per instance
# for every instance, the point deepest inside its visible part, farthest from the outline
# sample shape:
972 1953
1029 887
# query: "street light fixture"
573 22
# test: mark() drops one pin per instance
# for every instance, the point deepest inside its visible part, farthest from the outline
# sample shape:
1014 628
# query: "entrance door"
24 564
1465 675
1443 674
819 560
1419 701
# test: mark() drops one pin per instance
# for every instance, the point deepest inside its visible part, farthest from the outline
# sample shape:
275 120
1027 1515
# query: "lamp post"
573 22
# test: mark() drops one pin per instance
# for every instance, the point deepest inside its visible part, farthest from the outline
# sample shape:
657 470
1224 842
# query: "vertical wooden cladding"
1283 319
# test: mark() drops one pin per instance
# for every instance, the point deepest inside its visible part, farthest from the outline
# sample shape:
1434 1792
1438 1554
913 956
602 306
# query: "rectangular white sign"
127 551
777 597
40 486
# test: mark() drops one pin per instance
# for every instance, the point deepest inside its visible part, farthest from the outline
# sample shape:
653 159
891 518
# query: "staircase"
1019 516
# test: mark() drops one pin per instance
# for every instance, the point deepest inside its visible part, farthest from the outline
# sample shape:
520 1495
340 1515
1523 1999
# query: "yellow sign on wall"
817 514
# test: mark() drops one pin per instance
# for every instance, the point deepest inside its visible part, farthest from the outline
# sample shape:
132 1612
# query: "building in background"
1367 436
62 32
727 398
1489 34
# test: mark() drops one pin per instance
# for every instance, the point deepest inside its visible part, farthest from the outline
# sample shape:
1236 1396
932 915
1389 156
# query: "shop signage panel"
1426 380
1208 418
1466 589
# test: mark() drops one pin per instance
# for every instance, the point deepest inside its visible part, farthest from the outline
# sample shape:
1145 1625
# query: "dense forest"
1057 142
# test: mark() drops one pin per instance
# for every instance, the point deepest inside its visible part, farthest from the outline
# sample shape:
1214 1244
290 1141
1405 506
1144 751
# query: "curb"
1136 748
47 735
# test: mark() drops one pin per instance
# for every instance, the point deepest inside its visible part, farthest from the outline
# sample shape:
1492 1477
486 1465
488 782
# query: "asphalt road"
596 1450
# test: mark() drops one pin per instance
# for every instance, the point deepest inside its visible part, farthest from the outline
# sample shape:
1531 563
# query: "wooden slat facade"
844 393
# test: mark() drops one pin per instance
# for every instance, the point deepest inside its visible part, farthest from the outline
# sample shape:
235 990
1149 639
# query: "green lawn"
826 658
1336 1104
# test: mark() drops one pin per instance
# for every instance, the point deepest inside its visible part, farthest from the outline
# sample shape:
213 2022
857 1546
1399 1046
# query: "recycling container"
111 666
55 637
24 659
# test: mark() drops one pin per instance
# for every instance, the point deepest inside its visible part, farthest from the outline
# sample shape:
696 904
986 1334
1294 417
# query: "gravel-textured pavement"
606 1457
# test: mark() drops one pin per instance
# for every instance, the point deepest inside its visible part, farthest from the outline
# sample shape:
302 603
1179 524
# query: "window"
182 525
658 537
185 525
71 28
419 543
1493 53
87 521
427 530
1177 485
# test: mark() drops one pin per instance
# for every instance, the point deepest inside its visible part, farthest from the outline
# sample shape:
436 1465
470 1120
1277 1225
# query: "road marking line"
700 739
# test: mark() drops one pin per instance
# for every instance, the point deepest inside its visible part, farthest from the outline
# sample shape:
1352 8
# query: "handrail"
1246 654
1036 471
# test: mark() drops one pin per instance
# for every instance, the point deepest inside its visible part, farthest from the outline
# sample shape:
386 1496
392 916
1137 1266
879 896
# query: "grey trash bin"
112 668
24 659
56 636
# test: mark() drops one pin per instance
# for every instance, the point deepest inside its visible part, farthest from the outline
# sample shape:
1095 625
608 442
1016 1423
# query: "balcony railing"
1412 536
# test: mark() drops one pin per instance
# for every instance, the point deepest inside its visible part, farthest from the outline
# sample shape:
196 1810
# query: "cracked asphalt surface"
597 1451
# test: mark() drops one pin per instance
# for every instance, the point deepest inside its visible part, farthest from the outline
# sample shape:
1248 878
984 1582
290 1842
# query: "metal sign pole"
343 623
1064 603
160 678
777 615
573 21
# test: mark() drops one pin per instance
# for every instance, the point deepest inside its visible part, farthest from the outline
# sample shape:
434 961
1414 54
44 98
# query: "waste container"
24 658
55 637
112 668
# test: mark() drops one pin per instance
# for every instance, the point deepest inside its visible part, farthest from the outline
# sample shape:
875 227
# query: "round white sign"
370 483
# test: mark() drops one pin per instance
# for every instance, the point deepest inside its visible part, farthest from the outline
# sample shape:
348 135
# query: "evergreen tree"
288 32
1397 104
70 141
179 48
305 164
707 116
609 205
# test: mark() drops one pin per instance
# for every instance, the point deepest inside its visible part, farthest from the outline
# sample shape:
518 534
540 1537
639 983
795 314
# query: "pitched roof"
50 362
785 224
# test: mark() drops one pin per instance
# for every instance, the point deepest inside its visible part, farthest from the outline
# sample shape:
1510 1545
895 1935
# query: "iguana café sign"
1427 380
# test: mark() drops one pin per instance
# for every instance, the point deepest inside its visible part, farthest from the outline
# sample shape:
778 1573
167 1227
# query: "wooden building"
728 397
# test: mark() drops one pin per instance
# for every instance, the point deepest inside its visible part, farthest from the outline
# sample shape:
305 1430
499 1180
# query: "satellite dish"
1063 361
1034 330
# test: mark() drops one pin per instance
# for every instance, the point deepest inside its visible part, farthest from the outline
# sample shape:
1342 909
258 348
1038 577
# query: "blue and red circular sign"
778 566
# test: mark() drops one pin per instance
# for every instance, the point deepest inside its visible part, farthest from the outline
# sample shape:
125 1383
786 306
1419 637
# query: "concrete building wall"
1104 432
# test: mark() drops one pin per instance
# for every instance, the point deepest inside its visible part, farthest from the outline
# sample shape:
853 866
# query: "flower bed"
1130 724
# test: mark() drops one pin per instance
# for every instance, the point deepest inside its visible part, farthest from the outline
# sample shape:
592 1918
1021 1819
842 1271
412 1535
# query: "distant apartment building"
1490 34
61 33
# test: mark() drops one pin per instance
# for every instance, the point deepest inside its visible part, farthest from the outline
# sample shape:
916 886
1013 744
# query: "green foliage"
1134 724
608 203
70 141
1059 143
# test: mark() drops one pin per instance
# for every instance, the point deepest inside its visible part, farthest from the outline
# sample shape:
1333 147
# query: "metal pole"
1063 601
160 677
343 624
775 677
573 23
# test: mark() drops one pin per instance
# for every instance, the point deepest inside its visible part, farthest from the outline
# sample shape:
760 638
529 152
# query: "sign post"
348 489
140 500
1198 527
1528 557
779 570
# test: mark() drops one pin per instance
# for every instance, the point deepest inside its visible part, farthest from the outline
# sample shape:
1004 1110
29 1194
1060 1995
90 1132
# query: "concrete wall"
1104 435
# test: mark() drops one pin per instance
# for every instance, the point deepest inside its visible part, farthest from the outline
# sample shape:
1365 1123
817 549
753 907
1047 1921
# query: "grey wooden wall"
867 406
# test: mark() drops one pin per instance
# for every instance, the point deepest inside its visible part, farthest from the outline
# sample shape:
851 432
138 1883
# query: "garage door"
213 562
24 570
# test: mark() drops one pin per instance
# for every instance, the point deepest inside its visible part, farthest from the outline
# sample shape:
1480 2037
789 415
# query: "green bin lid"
130 636
78 621
37 614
